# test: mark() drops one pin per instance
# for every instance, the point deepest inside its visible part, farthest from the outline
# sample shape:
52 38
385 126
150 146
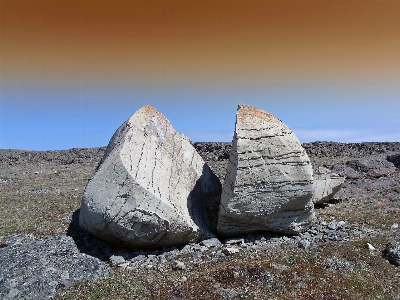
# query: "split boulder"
326 184
269 180
151 189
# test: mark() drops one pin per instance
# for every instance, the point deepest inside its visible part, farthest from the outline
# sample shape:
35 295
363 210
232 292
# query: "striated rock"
151 187
326 184
268 185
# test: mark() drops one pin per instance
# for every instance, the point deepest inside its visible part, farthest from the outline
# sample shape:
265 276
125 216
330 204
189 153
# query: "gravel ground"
342 256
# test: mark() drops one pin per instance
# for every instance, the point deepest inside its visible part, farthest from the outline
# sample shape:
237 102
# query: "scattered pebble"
234 241
394 226
213 242
117 260
178 265
370 247
230 251
305 244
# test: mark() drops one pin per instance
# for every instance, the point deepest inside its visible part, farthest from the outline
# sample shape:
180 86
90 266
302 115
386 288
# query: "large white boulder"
326 185
151 188
269 180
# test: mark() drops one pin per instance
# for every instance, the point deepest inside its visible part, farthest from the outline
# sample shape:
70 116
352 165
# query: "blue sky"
48 116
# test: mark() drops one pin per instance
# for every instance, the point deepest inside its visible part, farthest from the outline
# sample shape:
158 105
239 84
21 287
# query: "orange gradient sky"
200 40
72 71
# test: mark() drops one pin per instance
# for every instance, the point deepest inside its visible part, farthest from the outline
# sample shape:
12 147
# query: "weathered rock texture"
39 269
373 166
151 187
326 184
268 185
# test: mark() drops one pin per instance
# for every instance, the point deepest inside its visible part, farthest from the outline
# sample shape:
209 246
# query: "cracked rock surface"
326 185
268 183
39 269
151 188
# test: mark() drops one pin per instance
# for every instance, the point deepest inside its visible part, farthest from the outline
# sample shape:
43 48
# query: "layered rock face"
326 184
269 180
151 188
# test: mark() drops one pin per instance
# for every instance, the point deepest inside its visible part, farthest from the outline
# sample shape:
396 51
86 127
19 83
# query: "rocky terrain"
350 252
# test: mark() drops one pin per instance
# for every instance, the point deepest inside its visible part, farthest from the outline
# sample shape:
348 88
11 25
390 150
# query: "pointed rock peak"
148 109
246 111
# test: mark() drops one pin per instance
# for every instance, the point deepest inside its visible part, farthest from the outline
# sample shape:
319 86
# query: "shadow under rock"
203 203
89 244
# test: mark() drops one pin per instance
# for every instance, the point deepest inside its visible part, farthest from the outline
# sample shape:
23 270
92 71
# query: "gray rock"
392 252
373 165
151 188
338 264
305 244
268 185
333 225
39 269
234 241
345 171
178 265
213 242
326 185
394 159
187 249
230 250
117 260
15 239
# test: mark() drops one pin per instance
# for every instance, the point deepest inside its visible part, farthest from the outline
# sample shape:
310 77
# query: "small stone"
187 249
370 247
230 250
394 226
178 265
305 244
152 257
213 242
392 252
117 260
333 225
280 267
124 265
183 279
234 241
